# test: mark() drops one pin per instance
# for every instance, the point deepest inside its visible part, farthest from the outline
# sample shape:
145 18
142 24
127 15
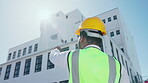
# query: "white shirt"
60 59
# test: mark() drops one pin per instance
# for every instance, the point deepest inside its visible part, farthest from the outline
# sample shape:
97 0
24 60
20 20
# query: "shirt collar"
95 46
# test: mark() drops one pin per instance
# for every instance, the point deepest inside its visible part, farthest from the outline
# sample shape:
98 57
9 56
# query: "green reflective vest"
90 65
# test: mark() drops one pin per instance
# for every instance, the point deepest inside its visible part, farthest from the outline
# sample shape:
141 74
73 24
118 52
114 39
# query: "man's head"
87 37
91 31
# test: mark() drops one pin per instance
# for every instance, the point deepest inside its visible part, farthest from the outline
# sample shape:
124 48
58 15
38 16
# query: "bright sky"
20 20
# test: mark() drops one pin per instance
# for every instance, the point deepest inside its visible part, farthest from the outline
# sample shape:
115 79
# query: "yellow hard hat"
92 23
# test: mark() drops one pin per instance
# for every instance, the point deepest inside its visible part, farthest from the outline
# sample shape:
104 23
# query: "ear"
82 39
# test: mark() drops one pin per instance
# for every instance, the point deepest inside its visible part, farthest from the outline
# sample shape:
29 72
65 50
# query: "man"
89 64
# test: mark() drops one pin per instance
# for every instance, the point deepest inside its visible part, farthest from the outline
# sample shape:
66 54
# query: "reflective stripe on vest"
75 68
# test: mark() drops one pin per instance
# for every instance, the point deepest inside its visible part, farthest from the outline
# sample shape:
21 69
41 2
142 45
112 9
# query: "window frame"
35 47
7 72
30 49
50 65
115 17
117 32
112 34
27 67
19 53
17 69
38 63
14 55
109 19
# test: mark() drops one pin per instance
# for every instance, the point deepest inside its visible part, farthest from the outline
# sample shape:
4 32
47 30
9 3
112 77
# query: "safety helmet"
93 23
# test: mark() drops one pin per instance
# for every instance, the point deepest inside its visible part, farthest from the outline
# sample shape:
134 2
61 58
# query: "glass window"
7 73
117 32
65 49
50 65
65 81
19 53
104 20
14 54
65 41
127 67
54 37
122 59
38 64
131 75
30 49
62 40
71 39
35 47
66 16
122 49
17 69
27 66
77 46
112 50
118 55
109 19
9 56
0 70
115 17
111 34
24 51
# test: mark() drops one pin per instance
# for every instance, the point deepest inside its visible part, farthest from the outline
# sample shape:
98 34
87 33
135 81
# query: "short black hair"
93 40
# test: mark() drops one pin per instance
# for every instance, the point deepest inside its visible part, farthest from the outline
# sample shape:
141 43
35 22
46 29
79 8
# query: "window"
71 39
65 81
9 56
122 49
54 37
111 34
35 47
7 73
30 49
27 66
127 67
66 16
104 20
62 40
122 60
0 70
109 19
14 54
65 41
38 64
50 65
115 17
131 74
77 46
19 53
117 32
17 69
112 50
24 51
65 49
118 55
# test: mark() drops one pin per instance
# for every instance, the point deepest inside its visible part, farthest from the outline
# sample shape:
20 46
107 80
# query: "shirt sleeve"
59 58
124 76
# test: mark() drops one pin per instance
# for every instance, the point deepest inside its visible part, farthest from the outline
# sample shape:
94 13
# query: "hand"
59 48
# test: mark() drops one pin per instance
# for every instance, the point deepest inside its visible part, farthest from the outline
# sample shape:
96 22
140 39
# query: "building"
30 62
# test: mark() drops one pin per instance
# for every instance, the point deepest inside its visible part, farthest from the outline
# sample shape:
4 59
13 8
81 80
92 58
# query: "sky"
20 20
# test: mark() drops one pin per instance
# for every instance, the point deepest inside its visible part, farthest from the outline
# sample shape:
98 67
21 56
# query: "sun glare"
44 14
